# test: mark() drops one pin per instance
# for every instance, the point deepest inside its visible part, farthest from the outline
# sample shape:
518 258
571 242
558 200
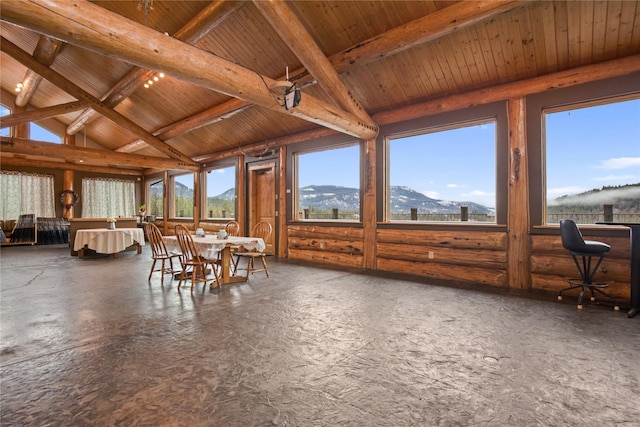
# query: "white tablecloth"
209 245
106 241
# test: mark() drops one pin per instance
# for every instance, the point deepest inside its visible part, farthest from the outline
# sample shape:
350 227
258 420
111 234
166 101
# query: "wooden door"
262 199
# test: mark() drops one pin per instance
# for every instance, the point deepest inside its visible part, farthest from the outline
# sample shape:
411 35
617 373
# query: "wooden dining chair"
160 253
262 230
232 228
192 263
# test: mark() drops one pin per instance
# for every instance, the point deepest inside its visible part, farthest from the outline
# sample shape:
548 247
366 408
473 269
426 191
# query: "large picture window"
328 184
592 164
220 193
183 195
443 174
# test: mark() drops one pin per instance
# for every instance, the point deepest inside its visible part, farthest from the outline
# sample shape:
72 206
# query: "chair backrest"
154 236
187 246
262 230
232 228
571 236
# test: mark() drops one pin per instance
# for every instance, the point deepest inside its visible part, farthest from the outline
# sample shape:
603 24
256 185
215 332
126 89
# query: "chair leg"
152 269
264 264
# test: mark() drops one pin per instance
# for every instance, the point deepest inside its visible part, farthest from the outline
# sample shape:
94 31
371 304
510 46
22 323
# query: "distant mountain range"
625 198
327 197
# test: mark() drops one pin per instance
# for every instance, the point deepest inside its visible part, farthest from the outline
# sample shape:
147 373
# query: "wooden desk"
105 241
209 246
634 235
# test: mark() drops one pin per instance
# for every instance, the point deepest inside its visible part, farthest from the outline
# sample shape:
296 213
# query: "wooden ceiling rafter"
45 52
7 160
210 17
35 115
298 39
85 25
423 30
63 83
71 153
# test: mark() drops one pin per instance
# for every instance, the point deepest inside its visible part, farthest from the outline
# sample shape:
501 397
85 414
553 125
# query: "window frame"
172 195
321 144
428 131
496 112
566 98
203 196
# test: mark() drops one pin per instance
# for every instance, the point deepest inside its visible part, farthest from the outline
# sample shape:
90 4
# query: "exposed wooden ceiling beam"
9 160
422 30
92 27
46 51
72 153
77 92
40 114
298 39
210 17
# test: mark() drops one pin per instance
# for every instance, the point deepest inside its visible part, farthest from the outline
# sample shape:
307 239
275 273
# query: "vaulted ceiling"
84 65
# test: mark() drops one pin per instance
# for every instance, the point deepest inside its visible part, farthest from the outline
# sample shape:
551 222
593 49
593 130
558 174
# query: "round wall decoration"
68 204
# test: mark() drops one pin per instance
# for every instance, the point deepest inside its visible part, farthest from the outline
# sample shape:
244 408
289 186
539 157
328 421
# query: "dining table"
634 237
210 246
108 241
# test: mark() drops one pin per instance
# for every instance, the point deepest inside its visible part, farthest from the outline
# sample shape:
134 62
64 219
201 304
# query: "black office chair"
573 241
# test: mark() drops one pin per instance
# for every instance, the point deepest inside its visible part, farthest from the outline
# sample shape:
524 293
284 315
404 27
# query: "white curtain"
104 198
24 193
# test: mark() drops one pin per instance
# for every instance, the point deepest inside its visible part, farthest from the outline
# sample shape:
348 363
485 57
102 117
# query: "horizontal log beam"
7 160
40 114
72 153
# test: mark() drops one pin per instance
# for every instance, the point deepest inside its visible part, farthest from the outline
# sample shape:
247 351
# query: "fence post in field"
464 213
414 214
306 213
210 213
608 213
335 213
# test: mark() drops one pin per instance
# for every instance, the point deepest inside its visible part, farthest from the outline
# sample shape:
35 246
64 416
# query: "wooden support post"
282 237
370 225
518 220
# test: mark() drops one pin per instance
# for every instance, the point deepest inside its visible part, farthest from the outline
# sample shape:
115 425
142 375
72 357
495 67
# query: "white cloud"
478 193
620 163
456 186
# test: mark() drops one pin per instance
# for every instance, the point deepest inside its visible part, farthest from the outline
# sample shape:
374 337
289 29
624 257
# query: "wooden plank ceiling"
224 81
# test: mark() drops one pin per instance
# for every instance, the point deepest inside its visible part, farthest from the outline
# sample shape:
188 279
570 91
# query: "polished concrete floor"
89 342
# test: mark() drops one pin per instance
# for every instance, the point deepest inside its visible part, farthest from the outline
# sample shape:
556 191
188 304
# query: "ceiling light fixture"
19 87
154 78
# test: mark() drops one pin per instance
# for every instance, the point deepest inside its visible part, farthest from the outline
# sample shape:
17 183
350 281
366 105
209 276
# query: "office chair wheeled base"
593 288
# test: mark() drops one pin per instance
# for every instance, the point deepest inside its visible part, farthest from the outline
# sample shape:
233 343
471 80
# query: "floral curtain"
25 193
105 198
